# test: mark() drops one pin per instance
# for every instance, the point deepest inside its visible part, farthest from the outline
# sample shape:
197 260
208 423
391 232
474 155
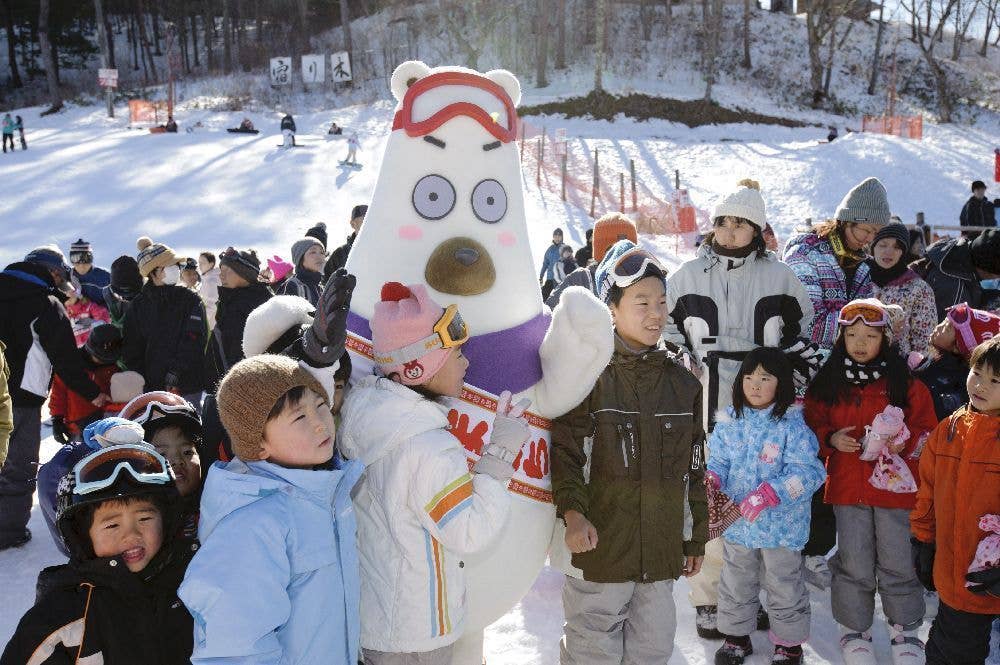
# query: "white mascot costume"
448 211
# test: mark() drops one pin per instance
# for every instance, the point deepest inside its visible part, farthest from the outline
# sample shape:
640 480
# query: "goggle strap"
410 352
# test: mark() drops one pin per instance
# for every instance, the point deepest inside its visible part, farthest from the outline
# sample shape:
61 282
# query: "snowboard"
233 130
350 165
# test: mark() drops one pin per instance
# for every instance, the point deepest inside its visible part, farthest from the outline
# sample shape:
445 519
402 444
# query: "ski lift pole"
621 191
593 189
631 168
564 177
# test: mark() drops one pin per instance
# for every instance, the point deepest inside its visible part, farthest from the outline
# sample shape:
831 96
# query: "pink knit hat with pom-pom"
279 268
403 334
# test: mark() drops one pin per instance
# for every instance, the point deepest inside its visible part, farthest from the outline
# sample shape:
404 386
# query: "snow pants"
779 571
959 638
873 553
705 585
19 473
6 138
440 656
631 623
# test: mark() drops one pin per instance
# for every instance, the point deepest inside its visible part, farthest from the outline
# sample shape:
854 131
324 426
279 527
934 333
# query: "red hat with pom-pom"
403 333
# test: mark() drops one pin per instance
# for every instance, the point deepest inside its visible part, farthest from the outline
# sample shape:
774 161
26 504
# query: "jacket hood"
380 414
729 413
237 484
23 280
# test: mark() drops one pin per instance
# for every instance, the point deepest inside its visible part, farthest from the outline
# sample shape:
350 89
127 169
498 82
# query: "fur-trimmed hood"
270 321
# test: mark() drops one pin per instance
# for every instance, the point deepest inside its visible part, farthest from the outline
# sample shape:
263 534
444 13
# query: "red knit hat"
609 229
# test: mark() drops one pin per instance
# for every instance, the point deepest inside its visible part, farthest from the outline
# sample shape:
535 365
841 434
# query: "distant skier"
19 126
335 130
288 130
352 149
8 132
831 137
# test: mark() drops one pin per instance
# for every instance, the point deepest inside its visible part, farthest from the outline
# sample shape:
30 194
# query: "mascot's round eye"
433 197
489 201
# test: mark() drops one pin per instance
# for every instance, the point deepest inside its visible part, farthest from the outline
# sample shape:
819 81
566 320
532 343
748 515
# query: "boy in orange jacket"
72 412
958 486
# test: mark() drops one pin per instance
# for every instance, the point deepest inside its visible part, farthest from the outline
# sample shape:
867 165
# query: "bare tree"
873 79
542 27
991 15
345 21
208 24
15 76
965 11
471 25
647 25
821 19
601 7
668 14
49 57
227 37
927 38
746 35
560 34
711 11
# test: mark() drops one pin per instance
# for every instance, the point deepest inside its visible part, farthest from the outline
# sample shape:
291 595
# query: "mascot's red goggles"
871 315
101 469
457 93
449 331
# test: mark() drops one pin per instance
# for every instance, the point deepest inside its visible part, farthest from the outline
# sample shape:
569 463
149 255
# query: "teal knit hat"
646 265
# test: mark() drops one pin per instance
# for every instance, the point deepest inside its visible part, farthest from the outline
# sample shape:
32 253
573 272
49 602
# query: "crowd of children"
743 395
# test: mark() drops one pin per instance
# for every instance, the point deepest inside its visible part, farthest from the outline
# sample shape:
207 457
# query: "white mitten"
576 349
509 434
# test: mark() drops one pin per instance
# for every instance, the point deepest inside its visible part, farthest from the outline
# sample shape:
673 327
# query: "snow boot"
857 647
17 542
787 655
907 648
817 572
706 622
734 651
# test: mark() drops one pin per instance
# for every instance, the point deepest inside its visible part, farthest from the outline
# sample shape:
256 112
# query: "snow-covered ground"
86 175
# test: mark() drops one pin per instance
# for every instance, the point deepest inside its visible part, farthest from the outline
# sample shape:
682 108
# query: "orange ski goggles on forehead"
458 93
869 314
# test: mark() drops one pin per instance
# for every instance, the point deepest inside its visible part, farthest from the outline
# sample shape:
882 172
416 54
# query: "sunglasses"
871 315
449 331
101 469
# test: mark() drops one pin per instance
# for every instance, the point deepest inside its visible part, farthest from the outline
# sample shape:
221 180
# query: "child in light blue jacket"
764 456
276 579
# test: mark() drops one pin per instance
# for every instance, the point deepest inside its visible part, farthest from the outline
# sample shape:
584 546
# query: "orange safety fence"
144 112
565 168
905 126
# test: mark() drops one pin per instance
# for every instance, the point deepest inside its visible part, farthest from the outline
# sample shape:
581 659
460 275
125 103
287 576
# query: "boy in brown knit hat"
276 577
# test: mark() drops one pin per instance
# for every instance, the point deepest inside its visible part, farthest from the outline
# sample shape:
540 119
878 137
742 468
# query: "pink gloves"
757 501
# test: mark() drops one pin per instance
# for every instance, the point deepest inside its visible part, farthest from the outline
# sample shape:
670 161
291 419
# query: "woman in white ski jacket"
733 297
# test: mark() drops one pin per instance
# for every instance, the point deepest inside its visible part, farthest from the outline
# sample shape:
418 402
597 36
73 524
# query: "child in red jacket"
863 376
72 412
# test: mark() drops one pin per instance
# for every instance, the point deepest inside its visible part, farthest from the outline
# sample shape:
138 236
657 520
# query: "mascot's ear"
508 82
405 75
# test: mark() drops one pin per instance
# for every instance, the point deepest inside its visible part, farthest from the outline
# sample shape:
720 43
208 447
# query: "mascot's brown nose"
466 256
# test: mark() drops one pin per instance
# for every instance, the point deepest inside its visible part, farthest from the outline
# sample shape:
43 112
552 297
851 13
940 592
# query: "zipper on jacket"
621 437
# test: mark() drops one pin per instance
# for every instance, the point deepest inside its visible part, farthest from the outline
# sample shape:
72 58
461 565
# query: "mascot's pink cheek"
506 239
410 232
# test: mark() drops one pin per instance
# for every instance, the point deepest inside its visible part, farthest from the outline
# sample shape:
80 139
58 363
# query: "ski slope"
85 175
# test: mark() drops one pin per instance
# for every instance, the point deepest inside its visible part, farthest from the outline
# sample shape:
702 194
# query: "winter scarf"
885 276
861 374
846 257
739 252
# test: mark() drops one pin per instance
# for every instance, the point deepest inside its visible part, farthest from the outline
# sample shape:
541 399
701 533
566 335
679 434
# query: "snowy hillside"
85 175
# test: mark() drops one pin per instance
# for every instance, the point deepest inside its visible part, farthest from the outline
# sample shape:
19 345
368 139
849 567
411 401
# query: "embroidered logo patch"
769 453
793 486
413 370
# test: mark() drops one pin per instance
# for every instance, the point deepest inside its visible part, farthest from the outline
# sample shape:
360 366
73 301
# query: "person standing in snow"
585 254
894 283
288 130
92 279
308 257
764 456
628 479
164 327
8 132
547 275
978 210
733 297
38 338
338 257
864 381
566 264
418 494
19 126
241 292
126 283
608 230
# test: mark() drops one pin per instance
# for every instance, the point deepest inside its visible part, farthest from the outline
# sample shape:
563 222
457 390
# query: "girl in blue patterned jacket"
764 456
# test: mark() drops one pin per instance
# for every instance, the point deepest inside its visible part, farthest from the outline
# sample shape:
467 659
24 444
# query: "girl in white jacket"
419 508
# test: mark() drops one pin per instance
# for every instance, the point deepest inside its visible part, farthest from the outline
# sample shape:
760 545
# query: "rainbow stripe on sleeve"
450 501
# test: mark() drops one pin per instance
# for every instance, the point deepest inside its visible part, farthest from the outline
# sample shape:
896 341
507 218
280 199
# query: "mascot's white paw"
579 343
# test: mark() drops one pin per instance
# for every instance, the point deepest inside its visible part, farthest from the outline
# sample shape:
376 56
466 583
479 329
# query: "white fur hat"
746 202
126 386
271 320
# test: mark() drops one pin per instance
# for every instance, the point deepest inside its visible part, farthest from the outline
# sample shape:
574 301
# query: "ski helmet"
115 472
159 408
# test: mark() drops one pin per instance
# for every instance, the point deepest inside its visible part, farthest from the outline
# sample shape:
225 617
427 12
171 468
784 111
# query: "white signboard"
281 71
313 68
340 66
560 141
107 78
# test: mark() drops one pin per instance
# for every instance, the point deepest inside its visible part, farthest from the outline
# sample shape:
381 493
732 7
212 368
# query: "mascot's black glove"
60 432
985 582
324 341
923 561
